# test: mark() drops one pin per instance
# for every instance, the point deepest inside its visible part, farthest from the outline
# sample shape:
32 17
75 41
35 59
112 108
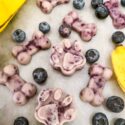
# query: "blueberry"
78 4
92 55
21 121
101 12
96 3
115 104
120 121
40 75
44 27
118 37
100 119
123 3
64 30
19 35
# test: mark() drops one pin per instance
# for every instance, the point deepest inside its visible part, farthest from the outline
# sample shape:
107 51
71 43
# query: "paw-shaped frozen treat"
48 5
23 53
93 93
86 30
22 90
117 16
55 107
67 57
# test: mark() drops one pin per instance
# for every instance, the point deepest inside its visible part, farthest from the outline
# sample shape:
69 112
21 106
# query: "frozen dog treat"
48 5
22 90
67 57
93 92
55 107
117 16
23 53
86 30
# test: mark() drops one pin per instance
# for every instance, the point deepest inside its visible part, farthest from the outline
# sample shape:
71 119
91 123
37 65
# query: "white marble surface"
28 19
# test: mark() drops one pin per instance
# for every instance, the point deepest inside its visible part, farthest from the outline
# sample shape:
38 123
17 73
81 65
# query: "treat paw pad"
93 92
68 57
86 30
23 53
22 90
55 107
48 5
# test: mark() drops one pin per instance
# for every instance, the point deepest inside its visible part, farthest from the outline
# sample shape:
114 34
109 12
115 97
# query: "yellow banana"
8 8
118 62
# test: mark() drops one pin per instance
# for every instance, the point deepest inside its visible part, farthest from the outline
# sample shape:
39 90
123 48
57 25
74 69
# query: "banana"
118 62
8 9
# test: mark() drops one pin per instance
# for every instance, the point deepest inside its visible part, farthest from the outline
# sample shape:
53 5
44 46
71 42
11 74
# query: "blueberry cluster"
44 27
92 55
101 11
123 3
21 121
64 30
114 104
118 37
78 4
101 119
120 121
40 75
19 35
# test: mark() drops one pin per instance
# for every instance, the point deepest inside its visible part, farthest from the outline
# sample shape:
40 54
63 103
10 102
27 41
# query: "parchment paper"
28 19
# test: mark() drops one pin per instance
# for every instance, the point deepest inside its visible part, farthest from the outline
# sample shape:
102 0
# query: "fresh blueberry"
19 35
40 75
118 37
100 119
44 27
101 12
64 30
115 104
120 121
92 55
78 4
96 3
21 121
123 3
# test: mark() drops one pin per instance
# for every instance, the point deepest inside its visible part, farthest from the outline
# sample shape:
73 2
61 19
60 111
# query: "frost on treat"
93 92
117 16
67 57
86 30
23 53
55 107
48 5
22 90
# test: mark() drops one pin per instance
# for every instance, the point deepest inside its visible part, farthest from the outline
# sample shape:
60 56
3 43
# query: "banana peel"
118 62
8 9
